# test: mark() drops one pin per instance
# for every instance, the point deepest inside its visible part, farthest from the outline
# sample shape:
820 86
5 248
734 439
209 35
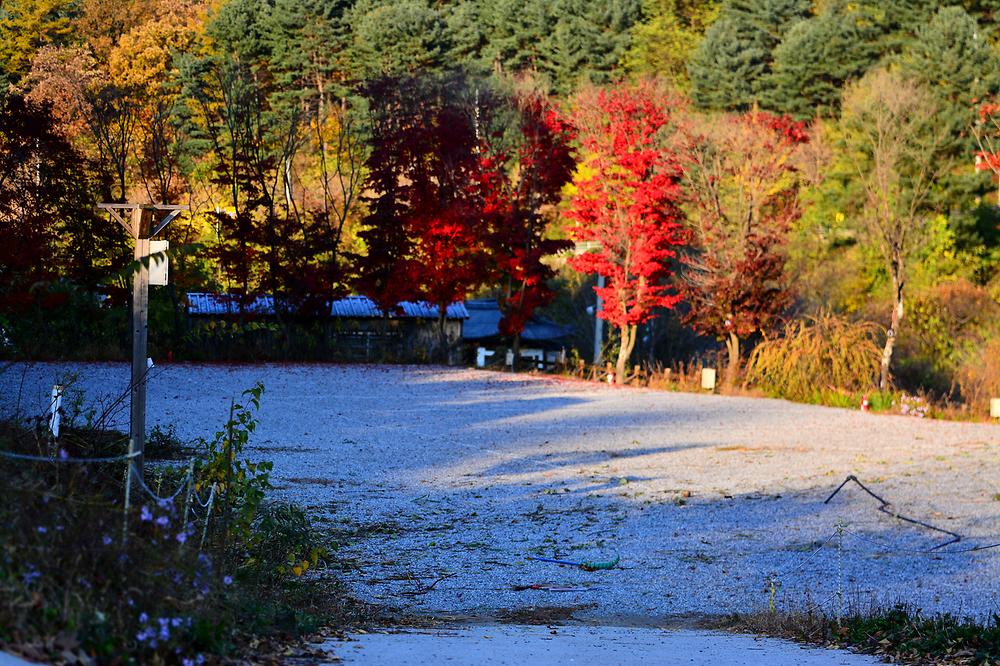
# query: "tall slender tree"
743 188
515 187
889 132
628 204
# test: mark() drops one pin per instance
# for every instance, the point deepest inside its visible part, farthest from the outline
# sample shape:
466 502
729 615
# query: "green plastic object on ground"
590 565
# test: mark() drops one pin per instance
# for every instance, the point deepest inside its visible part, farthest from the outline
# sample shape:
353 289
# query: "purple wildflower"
147 515
164 628
31 575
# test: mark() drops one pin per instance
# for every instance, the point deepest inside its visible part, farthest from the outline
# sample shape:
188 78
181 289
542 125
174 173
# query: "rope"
208 514
153 495
884 508
57 459
204 504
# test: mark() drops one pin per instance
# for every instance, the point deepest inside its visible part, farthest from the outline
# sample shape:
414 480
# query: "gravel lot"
444 480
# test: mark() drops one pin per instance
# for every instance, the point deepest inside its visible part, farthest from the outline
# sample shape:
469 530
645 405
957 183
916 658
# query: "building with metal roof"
352 307
483 324
354 328
543 341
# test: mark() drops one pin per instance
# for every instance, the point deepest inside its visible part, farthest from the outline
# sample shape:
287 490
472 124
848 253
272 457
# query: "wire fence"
133 479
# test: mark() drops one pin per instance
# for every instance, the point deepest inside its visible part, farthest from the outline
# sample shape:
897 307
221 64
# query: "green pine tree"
518 33
398 37
468 33
589 40
815 60
727 65
730 65
307 40
771 17
952 57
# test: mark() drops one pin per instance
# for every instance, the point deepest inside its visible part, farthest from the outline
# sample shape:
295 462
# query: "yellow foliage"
142 59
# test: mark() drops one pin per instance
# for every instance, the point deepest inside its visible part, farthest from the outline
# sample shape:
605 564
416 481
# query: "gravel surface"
442 481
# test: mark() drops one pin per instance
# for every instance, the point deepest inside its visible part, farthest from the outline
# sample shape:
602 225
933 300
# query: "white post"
55 407
598 325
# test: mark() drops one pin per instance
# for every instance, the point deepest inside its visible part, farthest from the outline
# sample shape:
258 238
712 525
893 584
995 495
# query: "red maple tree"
515 184
423 230
743 187
627 204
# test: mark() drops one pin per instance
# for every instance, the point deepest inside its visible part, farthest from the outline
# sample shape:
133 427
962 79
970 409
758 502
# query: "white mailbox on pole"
159 265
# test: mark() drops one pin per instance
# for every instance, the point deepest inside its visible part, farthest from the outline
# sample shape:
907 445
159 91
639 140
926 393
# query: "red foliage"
987 134
423 234
630 204
745 195
513 187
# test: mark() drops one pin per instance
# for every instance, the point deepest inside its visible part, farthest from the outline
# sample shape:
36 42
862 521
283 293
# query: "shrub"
81 576
947 328
814 355
979 376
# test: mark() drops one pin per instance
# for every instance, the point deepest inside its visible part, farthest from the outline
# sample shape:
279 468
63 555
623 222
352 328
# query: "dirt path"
443 481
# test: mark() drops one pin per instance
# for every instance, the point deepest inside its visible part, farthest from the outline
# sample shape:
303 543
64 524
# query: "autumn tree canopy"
743 193
627 203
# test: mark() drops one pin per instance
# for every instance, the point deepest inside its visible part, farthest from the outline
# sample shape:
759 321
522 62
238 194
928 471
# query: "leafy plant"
241 484
72 584
283 542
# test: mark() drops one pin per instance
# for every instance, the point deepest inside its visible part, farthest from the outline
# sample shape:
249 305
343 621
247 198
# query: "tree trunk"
628 334
890 335
516 348
442 336
733 367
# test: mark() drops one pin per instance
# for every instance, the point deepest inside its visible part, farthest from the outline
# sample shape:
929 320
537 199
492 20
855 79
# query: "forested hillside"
745 172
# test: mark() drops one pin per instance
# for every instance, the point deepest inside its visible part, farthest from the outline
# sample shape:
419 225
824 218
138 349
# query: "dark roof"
484 322
352 307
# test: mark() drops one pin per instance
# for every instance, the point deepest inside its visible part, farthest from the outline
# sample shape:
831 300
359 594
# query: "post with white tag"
55 414
144 222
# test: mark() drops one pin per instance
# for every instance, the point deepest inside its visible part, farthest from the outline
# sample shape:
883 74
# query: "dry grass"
826 353
899 634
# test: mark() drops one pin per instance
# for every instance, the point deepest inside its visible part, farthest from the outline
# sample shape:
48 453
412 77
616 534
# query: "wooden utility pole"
142 226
